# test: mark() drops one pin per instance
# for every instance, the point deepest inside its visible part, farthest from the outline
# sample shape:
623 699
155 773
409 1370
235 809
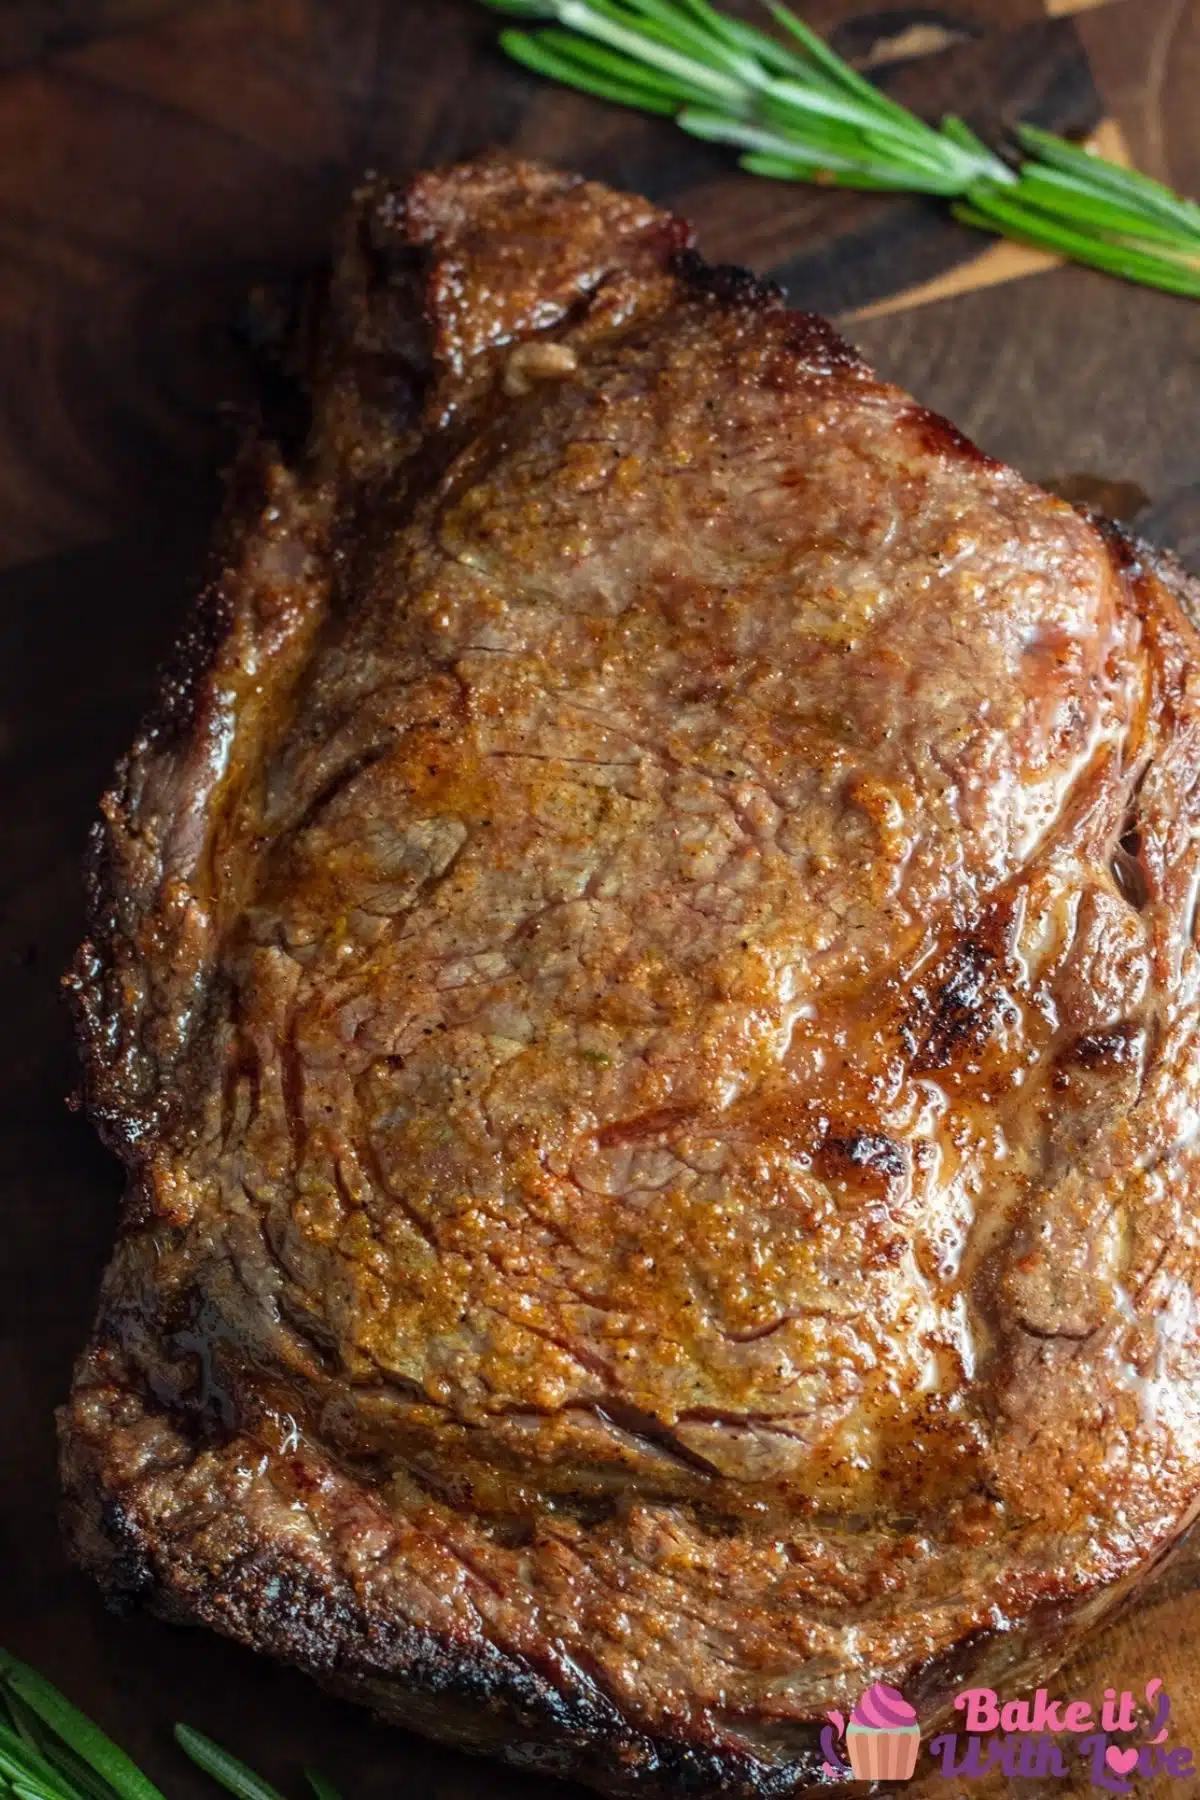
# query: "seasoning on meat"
644 978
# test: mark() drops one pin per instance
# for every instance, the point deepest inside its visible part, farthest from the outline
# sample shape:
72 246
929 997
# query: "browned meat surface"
645 981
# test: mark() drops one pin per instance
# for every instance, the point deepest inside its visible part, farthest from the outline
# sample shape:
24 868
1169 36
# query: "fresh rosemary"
49 1750
797 112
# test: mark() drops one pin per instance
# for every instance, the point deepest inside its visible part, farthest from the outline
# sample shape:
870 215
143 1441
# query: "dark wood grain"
150 176
31 29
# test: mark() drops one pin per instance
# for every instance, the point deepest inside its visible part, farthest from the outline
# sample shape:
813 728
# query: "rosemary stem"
592 23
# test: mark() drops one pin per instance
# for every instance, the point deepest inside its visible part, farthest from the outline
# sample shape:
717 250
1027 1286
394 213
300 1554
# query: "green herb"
49 1750
43 1721
232 1774
1075 204
797 112
324 1790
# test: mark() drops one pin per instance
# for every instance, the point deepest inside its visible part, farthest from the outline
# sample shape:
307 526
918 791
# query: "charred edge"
277 329
940 438
726 282
389 252
816 340
83 987
175 710
174 713
129 1578
961 1014
675 237
124 1120
1115 1048
1167 603
310 1616
808 335
303 1617
1145 569
868 1150
1128 552
1180 583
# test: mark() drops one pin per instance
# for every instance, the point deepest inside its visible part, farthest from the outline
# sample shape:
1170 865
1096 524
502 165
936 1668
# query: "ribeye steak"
644 976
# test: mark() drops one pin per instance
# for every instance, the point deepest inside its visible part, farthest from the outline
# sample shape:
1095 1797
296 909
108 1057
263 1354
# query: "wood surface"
159 160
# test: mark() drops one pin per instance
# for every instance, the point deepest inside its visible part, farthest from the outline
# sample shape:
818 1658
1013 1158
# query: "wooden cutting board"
158 159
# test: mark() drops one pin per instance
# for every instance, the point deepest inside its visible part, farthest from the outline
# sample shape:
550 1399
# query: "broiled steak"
644 977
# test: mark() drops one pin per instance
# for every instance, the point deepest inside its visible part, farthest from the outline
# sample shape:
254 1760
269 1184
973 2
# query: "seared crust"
643 977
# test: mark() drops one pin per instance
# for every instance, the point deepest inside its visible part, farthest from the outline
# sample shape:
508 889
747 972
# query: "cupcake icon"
883 1736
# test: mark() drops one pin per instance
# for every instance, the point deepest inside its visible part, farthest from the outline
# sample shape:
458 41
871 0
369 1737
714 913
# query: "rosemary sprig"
49 1750
725 80
1073 203
797 112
